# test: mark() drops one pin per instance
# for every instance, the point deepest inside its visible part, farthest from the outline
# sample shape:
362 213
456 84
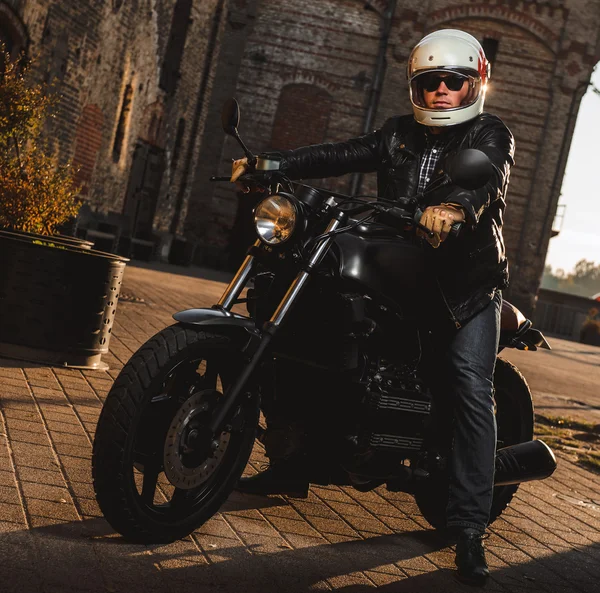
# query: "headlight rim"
298 218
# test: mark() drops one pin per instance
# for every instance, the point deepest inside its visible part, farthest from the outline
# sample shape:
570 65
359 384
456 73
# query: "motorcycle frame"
259 339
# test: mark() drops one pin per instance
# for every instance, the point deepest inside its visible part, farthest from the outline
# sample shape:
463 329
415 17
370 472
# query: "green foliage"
576 438
583 280
36 193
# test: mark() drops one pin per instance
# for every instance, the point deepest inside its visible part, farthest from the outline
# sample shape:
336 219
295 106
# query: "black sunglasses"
431 82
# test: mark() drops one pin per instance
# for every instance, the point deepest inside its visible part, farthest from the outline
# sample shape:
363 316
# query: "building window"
177 145
88 141
302 116
490 47
122 124
13 33
169 75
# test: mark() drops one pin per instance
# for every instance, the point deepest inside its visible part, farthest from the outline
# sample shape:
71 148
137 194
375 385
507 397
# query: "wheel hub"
191 454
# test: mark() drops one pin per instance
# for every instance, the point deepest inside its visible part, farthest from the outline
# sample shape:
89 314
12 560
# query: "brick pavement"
53 538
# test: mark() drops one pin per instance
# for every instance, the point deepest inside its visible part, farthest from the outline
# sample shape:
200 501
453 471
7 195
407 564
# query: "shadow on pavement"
88 556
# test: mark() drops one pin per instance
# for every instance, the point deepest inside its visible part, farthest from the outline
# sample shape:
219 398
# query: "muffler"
524 462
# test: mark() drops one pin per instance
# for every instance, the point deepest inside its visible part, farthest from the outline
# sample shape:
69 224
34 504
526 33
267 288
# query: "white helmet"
442 51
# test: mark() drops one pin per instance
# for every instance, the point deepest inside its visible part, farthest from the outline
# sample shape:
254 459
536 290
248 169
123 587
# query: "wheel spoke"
151 472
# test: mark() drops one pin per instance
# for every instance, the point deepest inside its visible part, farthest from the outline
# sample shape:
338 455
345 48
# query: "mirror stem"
251 158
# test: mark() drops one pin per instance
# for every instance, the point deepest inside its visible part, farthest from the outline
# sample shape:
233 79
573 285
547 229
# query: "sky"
579 237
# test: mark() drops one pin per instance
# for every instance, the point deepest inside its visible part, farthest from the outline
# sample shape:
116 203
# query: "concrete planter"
58 300
65 240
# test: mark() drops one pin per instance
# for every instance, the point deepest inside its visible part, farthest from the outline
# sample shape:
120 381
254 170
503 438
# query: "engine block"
395 417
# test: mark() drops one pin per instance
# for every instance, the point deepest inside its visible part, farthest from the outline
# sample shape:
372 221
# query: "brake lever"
427 231
402 214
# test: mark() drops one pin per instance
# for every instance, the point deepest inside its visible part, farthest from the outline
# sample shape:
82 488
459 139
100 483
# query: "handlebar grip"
213 178
454 229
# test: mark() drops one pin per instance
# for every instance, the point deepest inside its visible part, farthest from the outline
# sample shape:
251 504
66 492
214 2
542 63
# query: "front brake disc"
182 468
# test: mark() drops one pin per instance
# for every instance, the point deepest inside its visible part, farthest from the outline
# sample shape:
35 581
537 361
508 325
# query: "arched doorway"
302 116
13 34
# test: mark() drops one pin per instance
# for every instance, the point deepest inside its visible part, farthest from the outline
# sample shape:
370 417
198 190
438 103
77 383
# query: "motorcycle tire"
514 418
151 484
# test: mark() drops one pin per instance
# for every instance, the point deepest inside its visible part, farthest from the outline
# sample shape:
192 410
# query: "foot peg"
274 481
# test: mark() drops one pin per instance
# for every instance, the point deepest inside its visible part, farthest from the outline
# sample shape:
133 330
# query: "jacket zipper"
456 321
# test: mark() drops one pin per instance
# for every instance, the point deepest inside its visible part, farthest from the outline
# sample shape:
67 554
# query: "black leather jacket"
469 268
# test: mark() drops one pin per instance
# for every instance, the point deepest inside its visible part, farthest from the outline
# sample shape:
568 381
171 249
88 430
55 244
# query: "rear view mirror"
470 169
230 117
230 120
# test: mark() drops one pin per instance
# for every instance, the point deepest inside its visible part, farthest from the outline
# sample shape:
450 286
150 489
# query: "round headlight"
275 219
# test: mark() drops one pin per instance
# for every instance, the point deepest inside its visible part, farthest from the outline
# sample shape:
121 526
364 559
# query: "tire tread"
115 424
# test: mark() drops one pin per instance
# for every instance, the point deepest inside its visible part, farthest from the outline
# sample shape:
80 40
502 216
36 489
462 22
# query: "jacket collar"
416 136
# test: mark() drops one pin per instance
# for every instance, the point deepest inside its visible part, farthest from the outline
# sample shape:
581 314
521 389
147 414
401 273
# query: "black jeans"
465 360
463 367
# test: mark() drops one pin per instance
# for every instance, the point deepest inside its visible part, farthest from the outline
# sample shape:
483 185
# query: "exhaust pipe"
524 462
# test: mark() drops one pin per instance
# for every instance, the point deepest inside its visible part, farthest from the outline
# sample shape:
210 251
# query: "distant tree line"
583 280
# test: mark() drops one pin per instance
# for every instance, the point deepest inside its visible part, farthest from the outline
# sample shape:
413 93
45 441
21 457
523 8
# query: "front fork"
261 340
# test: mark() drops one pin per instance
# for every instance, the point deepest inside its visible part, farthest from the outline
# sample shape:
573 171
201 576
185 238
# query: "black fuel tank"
384 262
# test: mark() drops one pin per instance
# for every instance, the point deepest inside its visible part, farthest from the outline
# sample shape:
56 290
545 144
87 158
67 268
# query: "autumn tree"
37 194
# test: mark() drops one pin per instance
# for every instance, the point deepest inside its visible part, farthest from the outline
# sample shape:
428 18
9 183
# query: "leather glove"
439 220
238 168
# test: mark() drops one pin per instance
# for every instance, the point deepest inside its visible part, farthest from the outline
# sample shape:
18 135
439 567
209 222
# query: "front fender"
217 317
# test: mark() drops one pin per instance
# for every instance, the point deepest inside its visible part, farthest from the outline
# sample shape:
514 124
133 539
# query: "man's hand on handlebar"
239 168
439 220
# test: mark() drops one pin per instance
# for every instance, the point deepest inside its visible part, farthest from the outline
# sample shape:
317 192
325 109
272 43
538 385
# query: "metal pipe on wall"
375 91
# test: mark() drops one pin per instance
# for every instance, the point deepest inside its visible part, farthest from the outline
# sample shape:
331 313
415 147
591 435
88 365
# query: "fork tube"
270 328
301 279
232 292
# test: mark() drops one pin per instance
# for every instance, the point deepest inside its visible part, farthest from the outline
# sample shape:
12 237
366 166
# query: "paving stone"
337 538
298 527
10 495
58 510
45 492
246 526
17 580
304 541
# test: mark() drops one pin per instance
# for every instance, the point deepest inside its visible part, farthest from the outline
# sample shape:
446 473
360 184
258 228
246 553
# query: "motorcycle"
332 286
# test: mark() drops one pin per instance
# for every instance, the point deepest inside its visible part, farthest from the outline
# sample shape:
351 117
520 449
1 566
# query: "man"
447 73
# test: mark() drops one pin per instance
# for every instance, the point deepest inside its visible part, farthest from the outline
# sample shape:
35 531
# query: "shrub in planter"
58 297
36 193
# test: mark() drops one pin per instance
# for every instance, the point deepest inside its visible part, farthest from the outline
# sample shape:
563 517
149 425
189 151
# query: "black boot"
281 477
470 558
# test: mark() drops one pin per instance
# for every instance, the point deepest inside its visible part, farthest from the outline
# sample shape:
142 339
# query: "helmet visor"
429 82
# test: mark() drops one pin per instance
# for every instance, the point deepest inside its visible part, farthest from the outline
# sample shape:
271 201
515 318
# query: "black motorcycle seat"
375 229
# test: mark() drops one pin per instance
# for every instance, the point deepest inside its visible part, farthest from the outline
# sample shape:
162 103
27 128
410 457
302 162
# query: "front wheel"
157 472
514 419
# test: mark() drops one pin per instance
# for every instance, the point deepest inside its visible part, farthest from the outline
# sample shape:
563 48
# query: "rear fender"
525 338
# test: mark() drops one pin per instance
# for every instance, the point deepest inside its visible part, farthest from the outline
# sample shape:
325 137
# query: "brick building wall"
328 46
129 73
144 80
545 54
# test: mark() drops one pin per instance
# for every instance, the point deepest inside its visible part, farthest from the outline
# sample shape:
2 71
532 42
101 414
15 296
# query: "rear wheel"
514 418
158 473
